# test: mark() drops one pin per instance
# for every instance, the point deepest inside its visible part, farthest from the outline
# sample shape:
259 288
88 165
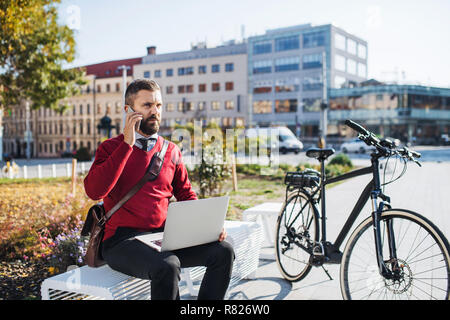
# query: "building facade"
286 72
411 113
53 133
203 84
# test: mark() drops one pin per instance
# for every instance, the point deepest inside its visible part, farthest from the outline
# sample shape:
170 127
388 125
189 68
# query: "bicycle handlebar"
384 146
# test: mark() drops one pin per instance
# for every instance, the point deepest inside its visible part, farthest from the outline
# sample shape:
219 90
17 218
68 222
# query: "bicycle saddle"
319 154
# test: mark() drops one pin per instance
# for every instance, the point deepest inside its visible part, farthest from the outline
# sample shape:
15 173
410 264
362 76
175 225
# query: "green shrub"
83 154
341 159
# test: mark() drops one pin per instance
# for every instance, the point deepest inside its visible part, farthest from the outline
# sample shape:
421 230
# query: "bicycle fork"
376 217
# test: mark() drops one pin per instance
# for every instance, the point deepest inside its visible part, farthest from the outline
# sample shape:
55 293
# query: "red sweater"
118 167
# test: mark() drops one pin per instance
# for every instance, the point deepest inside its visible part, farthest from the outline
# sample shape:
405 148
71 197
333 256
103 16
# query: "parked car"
356 145
288 142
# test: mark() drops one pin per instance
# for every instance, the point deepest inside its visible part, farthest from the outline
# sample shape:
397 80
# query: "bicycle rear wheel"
422 260
297 223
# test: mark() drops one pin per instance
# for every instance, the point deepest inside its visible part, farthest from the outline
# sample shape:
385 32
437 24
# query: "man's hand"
223 235
130 126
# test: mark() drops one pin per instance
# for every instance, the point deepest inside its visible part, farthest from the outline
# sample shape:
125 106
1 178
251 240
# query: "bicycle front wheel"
297 224
421 263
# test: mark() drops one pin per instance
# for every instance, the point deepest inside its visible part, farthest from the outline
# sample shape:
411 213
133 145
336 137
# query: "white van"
288 142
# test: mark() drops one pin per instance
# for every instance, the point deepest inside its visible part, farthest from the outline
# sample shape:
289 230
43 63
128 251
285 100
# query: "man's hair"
138 85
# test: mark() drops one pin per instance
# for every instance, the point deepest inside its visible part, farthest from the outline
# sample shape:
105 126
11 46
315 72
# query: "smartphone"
138 123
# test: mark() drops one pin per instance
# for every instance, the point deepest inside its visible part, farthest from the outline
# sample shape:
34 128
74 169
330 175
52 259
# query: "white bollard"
68 169
39 171
25 172
54 170
82 168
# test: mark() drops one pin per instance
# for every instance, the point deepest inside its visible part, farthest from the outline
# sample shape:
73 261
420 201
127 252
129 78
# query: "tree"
33 51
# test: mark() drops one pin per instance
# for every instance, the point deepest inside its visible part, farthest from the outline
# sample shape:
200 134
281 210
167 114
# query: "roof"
110 69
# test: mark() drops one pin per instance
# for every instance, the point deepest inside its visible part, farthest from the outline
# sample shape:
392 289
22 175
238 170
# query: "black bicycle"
393 254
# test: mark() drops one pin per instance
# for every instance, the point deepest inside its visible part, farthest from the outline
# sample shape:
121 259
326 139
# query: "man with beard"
119 164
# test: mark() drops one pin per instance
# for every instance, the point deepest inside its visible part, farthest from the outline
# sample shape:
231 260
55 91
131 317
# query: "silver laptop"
189 223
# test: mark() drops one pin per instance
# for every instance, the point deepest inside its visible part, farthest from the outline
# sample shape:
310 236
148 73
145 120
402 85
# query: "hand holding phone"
132 123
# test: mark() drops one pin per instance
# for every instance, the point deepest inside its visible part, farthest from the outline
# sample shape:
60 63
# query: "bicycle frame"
371 191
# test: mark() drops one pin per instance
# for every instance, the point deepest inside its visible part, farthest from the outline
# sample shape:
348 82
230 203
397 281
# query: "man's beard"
149 127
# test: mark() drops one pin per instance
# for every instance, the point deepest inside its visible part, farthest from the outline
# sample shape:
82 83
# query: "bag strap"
151 174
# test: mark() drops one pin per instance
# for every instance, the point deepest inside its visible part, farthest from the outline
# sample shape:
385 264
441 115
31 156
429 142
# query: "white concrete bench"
103 283
266 215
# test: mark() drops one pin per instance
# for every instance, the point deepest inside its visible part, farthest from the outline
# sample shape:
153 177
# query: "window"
339 62
339 41
180 106
169 89
190 88
215 105
229 67
118 107
189 70
170 107
185 71
201 105
288 105
169 72
157 73
351 46
81 127
201 69
117 87
351 66
262 106
108 87
262 47
362 51
362 70
229 104
282 87
215 68
190 106
88 127
287 64
311 61
229 86
379 97
202 87
216 86
147 74
287 43
262 66
314 39
81 109
339 82
311 104
262 89
312 83
180 89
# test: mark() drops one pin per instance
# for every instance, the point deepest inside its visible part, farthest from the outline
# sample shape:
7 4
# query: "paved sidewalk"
424 190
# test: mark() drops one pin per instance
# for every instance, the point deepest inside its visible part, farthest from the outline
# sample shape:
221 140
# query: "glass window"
215 68
262 89
339 81
189 70
311 104
215 86
339 41
201 69
314 39
287 43
181 71
287 64
351 66
201 105
229 104
288 105
229 86
362 70
312 83
351 46
146 75
262 47
262 66
180 89
311 61
169 89
157 73
170 107
362 51
169 72
190 88
281 87
229 67
340 62
262 106
215 105
202 87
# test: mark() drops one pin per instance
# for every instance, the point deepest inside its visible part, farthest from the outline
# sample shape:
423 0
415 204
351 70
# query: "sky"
408 41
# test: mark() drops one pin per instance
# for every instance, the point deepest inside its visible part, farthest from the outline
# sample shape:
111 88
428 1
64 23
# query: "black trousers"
130 256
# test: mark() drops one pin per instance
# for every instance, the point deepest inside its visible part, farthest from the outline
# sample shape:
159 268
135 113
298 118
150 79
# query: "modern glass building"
411 113
285 73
